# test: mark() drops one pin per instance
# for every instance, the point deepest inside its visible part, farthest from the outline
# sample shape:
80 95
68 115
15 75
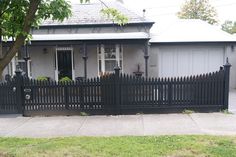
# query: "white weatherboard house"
89 44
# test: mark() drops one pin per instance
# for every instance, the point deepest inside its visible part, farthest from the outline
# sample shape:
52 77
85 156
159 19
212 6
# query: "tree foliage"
229 26
17 17
198 9
13 14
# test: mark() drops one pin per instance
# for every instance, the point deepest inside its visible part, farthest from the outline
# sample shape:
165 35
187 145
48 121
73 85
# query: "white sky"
167 9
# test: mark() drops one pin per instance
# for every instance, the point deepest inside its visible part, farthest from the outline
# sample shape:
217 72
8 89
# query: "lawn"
148 146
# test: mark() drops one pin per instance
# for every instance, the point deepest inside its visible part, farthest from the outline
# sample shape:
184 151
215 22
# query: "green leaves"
229 26
84 1
13 12
198 9
115 15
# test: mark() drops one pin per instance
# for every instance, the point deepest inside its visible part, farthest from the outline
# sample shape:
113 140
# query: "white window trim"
119 47
72 61
13 65
28 66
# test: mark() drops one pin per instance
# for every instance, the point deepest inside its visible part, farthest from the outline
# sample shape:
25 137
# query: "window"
22 65
18 61
108 56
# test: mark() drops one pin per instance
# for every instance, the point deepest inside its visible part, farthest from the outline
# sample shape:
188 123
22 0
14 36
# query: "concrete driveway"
135 125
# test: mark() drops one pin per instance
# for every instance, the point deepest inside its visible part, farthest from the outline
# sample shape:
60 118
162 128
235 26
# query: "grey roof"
188 30
89 14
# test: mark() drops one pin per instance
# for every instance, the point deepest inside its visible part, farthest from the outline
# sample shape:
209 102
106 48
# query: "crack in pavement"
195 122
78 130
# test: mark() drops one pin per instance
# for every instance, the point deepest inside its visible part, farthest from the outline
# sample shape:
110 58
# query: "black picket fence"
116 94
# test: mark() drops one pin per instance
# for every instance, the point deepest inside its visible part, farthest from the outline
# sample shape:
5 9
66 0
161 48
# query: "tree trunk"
1 75
1 51
29 18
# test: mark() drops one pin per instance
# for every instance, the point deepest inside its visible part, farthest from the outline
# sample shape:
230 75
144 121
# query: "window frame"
29 66
101 57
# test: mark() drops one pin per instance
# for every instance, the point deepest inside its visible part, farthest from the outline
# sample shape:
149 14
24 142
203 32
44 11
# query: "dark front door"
64 64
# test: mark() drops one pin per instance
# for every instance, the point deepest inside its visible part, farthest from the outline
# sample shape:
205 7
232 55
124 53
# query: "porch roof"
90 36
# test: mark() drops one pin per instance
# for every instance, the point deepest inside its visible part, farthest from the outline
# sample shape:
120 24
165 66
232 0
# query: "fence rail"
116 94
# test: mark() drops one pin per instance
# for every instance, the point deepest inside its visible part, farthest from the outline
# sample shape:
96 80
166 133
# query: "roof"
90 14
193 30
93 36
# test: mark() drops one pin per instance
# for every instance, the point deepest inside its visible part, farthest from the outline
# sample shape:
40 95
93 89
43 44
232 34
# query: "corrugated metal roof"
84 14
188 31
91 36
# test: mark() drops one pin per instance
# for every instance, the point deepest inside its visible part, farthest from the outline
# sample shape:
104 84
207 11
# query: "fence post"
170 82
19 93
117 89
226 84
66 84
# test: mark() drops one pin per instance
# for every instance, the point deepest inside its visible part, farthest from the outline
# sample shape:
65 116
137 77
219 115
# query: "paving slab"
216 123
9 123
49 127
170 124
112 126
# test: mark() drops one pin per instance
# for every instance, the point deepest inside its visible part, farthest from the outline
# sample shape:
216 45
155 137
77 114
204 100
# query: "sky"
167 9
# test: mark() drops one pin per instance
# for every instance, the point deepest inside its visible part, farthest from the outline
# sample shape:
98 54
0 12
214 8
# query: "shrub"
42 78
65 79
226 111
188 111
83 114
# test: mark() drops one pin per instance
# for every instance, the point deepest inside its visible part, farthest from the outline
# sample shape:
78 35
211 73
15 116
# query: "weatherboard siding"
190 59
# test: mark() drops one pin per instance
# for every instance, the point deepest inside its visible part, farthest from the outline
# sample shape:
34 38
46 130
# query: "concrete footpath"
135 125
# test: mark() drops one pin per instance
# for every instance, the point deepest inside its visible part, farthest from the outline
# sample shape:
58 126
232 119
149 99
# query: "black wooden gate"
116 94
8 98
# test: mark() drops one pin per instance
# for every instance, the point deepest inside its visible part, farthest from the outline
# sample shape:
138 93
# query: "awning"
90 36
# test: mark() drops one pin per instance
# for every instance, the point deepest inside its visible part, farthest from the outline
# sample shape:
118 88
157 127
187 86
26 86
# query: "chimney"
144 12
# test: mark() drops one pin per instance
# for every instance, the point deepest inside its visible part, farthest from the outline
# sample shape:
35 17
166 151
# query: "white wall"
43 64
231 54
133 55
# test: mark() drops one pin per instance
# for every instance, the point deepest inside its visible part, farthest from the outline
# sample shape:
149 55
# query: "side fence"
116 94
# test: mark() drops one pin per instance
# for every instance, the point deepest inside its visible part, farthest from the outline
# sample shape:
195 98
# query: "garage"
189 60
190 47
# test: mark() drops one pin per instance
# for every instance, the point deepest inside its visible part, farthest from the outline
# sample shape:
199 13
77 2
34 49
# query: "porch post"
26 58
146 57
85 57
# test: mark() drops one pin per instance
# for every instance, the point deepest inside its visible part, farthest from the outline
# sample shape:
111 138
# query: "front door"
64 59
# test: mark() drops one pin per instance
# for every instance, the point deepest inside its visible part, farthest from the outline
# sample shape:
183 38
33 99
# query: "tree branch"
29 18
5 10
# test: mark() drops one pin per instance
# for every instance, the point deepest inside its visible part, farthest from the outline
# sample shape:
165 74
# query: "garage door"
185 61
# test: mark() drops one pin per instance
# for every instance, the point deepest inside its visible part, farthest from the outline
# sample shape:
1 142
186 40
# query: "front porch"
81 59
